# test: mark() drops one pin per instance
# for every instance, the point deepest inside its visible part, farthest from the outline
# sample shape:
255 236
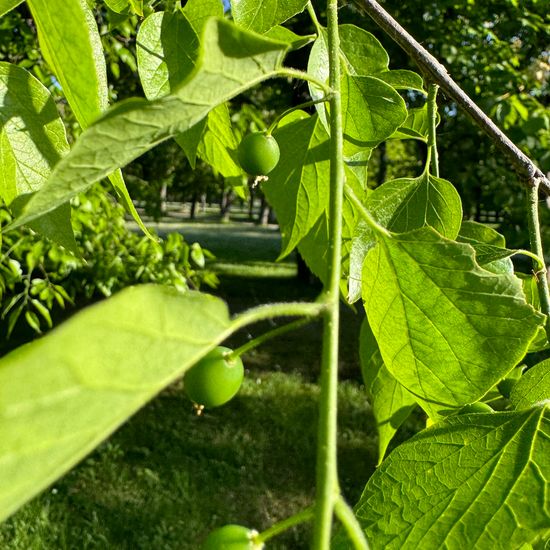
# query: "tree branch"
529 173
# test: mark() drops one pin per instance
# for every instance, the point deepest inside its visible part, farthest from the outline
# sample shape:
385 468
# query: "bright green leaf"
167 50
32 135
447 329
118 6
401 79
8 5
89 375
70 43
372 110
262 15
55 225
482 233
533 387
391 402
362 52
198 12
298 186
472 481
416 125
285 35
233 61
403 205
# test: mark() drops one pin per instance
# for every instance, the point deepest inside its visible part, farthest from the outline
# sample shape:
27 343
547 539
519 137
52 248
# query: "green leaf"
32 135
8 5
401 79
533 387
448 330
403 205
285 35
472 481
298 186
391 402
489 246
198 12
118 6
218 143
55 225
61 395
416 125
232 61
372 110
65 28
262 15
167 50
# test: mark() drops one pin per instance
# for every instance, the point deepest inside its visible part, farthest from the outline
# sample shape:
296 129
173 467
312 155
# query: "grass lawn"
167 477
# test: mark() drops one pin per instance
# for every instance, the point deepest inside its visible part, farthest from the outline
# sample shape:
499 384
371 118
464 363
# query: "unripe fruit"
231 537
258 154
214 380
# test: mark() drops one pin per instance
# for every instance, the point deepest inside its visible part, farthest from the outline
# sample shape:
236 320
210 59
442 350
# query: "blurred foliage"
39 278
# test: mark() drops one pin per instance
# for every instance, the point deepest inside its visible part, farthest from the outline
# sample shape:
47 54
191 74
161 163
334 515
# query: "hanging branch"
530 174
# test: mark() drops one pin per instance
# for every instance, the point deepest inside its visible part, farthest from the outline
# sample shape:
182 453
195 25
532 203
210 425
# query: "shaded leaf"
167 50
472 481
533 387
285 35
416 125
447 329
89 375
262 15
32 135
401 79
391 402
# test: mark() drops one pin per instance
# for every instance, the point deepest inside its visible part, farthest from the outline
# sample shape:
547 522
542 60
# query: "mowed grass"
167 477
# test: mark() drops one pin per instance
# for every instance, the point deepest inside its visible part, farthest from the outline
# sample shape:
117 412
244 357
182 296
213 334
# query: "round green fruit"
231 537
478 407
258 154
214 380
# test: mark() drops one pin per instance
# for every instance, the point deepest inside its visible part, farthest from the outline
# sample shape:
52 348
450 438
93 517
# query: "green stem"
432 118
301 75
273 125
314 19
284 525
268 311
289 327
536 247
349 521
327 473
364 213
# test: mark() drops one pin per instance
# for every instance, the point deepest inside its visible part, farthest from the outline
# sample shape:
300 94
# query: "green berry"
231 537
214 380
258 154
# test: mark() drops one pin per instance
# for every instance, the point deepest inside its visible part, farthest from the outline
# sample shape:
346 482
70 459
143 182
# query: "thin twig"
529 173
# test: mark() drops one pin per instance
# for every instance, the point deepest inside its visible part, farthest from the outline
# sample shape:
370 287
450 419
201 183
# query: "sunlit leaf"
61 395
447 329
262 15
472 481
533 387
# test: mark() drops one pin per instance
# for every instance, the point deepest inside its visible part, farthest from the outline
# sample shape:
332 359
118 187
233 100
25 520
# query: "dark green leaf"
533 387
448 330
472 481
89 375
